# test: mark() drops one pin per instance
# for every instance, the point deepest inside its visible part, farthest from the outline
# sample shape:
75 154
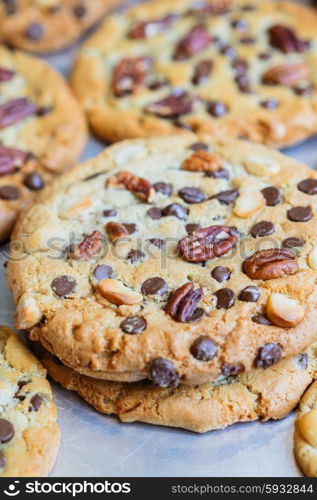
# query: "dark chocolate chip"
227 197
204 348
308 186
11 6
6 430
133 325
269 103
239 24
79 11
163 373
303 91
9 193
110 213
135 255
264 56
2 460
221 173
268 355
228 51
299 214
175 210
232 369
217 109
220 273
191 228
44 110
154 286
34 181
272 196
240 66
103 272
261 229
250 294
199 146
302 360
131 228
36 402
34 31
157 242
225 298
154 212
63 285
202 71
293 242
164 188
261 319
192 195
247 40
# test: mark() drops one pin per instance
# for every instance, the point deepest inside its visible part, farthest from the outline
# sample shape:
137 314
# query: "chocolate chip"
308 186
232 369
303 91
191 228
299 214
221 173
269 103
228 51
272 196
261 229
163 373
264 56
293 242
192 195
197 315
302 360
63 285
44 110
261 319
158 84
225 298
92 176
202 71
220 273
34 181
133 325
243 83
154 286
227 197
6 430
217 109
175 210
247 40
79 11
157 242
239 24
34 31
154 212
268 355
164 188
36 402
199 146
110 213
248 8
135 255
240 66
2 460
250 294
103 272
204 348
131 228
11 6
9 193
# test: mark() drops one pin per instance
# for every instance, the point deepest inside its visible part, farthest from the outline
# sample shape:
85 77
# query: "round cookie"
29 435
233 68
107 273
48 25
261 394
42 131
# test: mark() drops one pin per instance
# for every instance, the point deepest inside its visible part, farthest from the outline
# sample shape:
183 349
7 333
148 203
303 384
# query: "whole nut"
139 186
207 243
202 161
286 74
307 427
270 264
312 258
284 311
249 203
115 231
262 167
117 293
77 209
28 313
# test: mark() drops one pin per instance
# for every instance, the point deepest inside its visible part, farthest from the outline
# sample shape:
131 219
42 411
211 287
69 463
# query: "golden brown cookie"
232 68
171 259
261 394
42 131
48 25
29 435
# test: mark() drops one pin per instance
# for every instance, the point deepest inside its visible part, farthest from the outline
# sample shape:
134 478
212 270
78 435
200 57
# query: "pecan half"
172 106
90 246
286 40
6 75
10 159
184 302
270 264
15 110
207 243
195 41
130 74
139 186
286 74
151 27
202 161
116 230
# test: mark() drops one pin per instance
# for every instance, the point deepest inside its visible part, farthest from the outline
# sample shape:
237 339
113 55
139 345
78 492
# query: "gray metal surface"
97 445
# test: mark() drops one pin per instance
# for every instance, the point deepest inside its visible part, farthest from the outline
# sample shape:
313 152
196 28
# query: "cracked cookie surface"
42 131
48 25
171 259
29 435
233 68
261 394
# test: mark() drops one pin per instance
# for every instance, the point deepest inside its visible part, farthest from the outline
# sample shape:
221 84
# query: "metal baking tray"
97 445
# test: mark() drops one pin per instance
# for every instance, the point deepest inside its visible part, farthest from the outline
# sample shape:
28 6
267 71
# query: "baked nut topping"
284 311
207 243
270 264
117 293
203 161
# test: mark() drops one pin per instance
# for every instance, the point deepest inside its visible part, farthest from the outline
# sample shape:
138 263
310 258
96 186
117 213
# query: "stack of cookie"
172 279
